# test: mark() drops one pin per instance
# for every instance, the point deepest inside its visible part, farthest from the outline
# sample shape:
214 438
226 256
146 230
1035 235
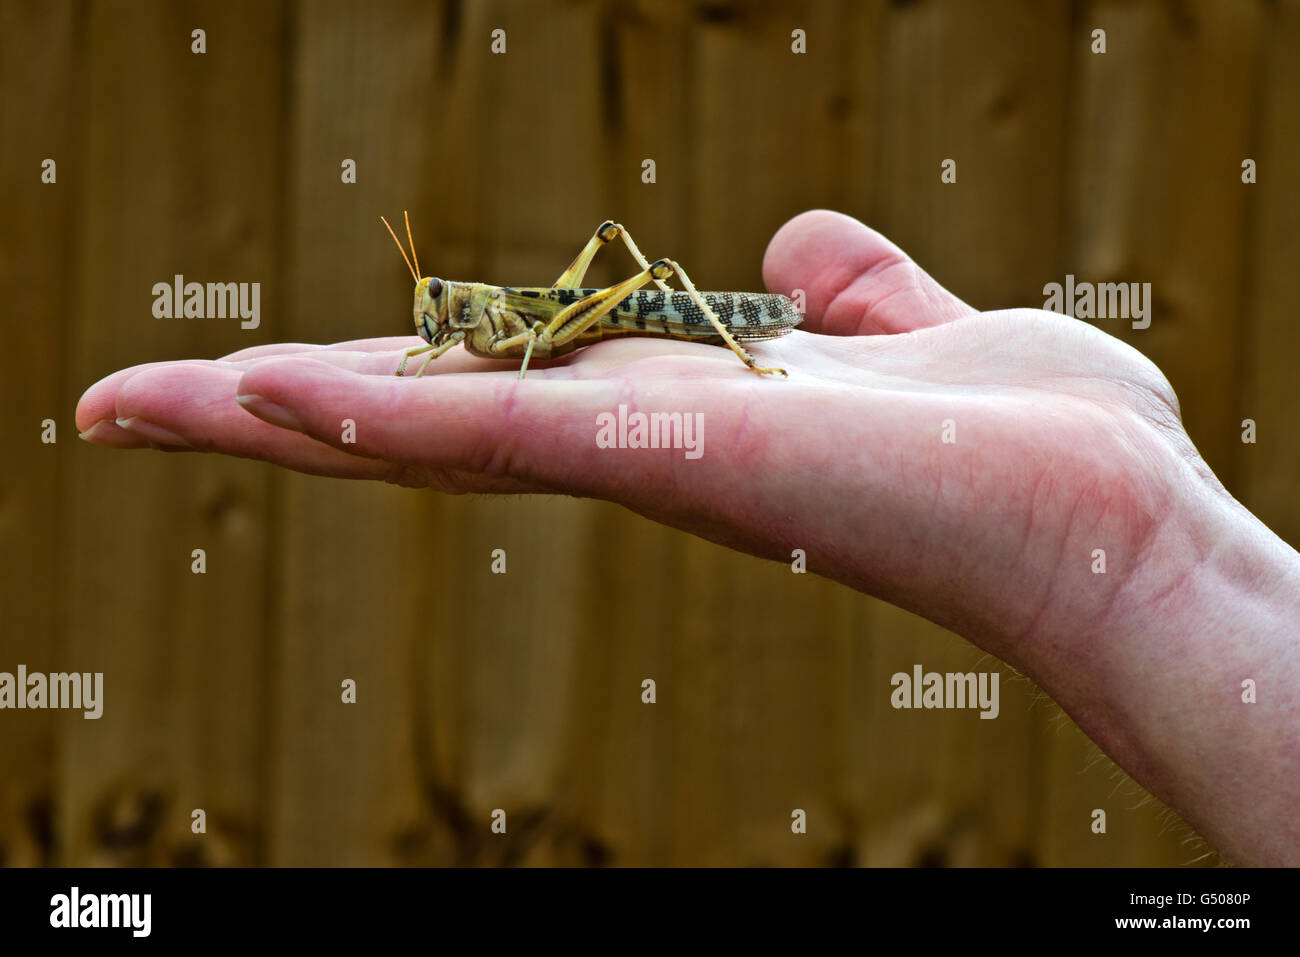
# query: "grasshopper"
510 321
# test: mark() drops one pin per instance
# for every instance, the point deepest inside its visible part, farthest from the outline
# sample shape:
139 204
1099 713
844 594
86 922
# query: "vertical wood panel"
517 638
178 176
755 647
620 758
985 86
1271 467
37 40
1156 194
494 669
353 592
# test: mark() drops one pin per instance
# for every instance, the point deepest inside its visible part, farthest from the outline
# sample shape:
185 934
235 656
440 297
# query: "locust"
544 322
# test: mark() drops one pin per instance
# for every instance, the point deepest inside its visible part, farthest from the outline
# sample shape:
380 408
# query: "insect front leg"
434 351
413 351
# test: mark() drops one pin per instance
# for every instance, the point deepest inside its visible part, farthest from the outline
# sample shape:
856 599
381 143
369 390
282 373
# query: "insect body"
503 321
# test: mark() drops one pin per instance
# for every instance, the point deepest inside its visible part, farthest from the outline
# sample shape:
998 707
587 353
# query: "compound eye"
435 288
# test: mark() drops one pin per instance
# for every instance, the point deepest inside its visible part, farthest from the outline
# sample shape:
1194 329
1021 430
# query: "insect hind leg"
605 233
717 324
572 277
658 272
577 318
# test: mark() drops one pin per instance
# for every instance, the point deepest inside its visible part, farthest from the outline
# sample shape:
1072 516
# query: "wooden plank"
174 175
36 41
1161 127
1155 199
537 136
985 86
755 685
430 750
344 788
646 112
518 639
1270 466
767 124
619 752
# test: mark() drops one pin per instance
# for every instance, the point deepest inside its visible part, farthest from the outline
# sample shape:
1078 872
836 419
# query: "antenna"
399 247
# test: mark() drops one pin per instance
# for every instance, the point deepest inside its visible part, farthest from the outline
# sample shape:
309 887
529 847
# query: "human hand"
961 464
1063 439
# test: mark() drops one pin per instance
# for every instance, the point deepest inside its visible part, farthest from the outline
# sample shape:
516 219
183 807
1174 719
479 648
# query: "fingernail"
270 412
107 434
155 434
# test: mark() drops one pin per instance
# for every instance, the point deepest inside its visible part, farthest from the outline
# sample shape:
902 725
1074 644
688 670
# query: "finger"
856 281
542 430
372 356
383 344
96 415
192 407
599 358
96 409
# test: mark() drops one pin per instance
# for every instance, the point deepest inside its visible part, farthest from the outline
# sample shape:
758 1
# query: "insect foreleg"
409 353
434 351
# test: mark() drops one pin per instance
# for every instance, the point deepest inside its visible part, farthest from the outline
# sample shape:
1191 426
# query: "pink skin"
1067 441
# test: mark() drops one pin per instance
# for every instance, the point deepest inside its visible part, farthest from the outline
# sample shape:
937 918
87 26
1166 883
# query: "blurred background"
522 692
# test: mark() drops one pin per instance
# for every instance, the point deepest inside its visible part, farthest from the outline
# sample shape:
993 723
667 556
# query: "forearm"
1163 682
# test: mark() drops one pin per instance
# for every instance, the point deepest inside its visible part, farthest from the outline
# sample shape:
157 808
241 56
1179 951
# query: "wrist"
1191 680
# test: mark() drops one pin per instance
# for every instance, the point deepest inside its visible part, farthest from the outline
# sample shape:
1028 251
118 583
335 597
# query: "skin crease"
1067 441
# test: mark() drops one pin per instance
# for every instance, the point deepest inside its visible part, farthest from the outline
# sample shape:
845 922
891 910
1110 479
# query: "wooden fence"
222 690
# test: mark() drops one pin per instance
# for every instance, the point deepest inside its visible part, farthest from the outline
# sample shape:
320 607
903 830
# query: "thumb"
855 281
